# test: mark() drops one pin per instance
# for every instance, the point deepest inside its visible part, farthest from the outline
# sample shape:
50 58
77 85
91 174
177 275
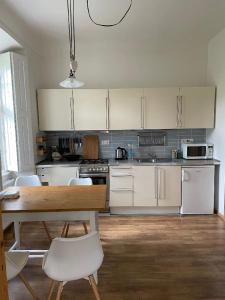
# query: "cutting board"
90 147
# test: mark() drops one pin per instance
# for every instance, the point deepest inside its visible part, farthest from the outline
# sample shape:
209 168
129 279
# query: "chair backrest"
80 181
32 180
73 258
15 262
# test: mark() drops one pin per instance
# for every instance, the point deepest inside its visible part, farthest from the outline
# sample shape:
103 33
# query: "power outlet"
186 141
105 142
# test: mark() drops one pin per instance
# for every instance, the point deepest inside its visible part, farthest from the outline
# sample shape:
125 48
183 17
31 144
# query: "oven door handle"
93 174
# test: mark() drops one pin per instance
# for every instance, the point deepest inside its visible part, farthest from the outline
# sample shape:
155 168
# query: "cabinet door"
161 108
55 109
90 109
198 105
145 186
169 186
61 175
125 109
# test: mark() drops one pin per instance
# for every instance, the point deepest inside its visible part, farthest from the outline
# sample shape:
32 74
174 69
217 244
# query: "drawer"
42 171
121 181
121 198
44 177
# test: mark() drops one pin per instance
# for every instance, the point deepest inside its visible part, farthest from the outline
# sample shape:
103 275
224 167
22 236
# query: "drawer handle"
122 190
121 175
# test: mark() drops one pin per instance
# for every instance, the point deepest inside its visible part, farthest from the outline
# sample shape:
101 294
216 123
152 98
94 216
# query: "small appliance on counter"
55 154
197 151
120 153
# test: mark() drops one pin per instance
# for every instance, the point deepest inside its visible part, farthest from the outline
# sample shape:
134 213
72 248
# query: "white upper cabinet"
90 109
125 109
55 107
145 186
161 108
197 107
169 186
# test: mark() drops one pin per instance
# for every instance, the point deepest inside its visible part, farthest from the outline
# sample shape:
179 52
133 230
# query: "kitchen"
149 132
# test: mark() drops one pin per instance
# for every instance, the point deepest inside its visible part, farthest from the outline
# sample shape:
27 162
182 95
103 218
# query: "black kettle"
120 153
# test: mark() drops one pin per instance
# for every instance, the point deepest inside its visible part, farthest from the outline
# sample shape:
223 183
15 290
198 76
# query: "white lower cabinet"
57 175
121 186
145 186
169 185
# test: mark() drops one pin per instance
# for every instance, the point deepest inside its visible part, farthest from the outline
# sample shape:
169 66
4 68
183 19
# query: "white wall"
106 64
216 76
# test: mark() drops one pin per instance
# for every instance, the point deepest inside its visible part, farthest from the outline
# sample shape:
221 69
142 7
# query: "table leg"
17 233
94 221
94 227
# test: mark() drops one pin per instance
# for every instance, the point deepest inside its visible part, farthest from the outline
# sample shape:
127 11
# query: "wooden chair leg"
27 285
47 231
59 292
51 289
64 229
94 287
67 229
85 228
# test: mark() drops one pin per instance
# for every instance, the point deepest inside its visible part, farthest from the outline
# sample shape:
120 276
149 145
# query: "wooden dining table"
49 203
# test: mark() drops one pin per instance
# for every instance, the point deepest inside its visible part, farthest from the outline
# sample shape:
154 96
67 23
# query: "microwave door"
196 152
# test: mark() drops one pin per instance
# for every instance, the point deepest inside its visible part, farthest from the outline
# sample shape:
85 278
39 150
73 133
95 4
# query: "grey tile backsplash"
110 141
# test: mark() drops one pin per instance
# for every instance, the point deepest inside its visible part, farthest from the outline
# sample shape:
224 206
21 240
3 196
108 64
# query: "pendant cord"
108 25
71 28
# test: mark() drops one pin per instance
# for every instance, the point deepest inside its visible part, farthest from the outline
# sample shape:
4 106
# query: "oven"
99 175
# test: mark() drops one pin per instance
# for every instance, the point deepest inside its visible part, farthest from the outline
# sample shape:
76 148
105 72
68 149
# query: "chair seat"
15 262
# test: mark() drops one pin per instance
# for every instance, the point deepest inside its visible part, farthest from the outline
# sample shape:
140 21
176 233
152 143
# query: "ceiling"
153 22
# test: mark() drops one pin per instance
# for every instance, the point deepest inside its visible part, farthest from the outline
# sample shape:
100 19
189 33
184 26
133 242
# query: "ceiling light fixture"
71 82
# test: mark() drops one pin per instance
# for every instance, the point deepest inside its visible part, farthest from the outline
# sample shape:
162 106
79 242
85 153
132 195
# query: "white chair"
15 262
71 259
32 180
76 181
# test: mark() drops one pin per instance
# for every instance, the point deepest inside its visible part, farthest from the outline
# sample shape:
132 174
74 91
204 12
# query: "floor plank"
146 258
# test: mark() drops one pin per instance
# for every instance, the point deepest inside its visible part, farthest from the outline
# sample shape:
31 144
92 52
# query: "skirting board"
221 216
144 210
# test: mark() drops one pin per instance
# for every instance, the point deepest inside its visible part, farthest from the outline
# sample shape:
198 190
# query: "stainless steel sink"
154 160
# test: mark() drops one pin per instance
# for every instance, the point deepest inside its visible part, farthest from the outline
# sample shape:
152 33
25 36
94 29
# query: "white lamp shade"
71 83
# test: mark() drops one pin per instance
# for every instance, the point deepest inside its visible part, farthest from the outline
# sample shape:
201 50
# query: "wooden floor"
157 258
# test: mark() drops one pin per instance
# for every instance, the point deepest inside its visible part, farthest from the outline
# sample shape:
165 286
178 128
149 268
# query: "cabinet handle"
181 110
106 107
108 117
121 168
156 183
142 122
178 111
121 175
161 183
121 190
71 113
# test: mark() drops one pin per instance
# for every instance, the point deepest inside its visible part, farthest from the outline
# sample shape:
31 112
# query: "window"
8 145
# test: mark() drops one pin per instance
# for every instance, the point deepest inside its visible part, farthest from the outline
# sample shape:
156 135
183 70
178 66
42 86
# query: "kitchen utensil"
90 147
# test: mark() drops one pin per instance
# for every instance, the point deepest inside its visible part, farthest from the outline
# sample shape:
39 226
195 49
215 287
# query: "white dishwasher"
57 175
198 190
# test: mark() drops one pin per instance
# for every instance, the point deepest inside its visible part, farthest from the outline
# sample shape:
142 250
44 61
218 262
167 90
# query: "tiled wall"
110 141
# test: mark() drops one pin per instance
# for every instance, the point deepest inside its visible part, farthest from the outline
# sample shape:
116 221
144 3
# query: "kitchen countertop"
112 162
172 162
59 163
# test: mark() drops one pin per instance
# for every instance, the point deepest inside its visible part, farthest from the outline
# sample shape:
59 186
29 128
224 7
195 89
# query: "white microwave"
197 151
